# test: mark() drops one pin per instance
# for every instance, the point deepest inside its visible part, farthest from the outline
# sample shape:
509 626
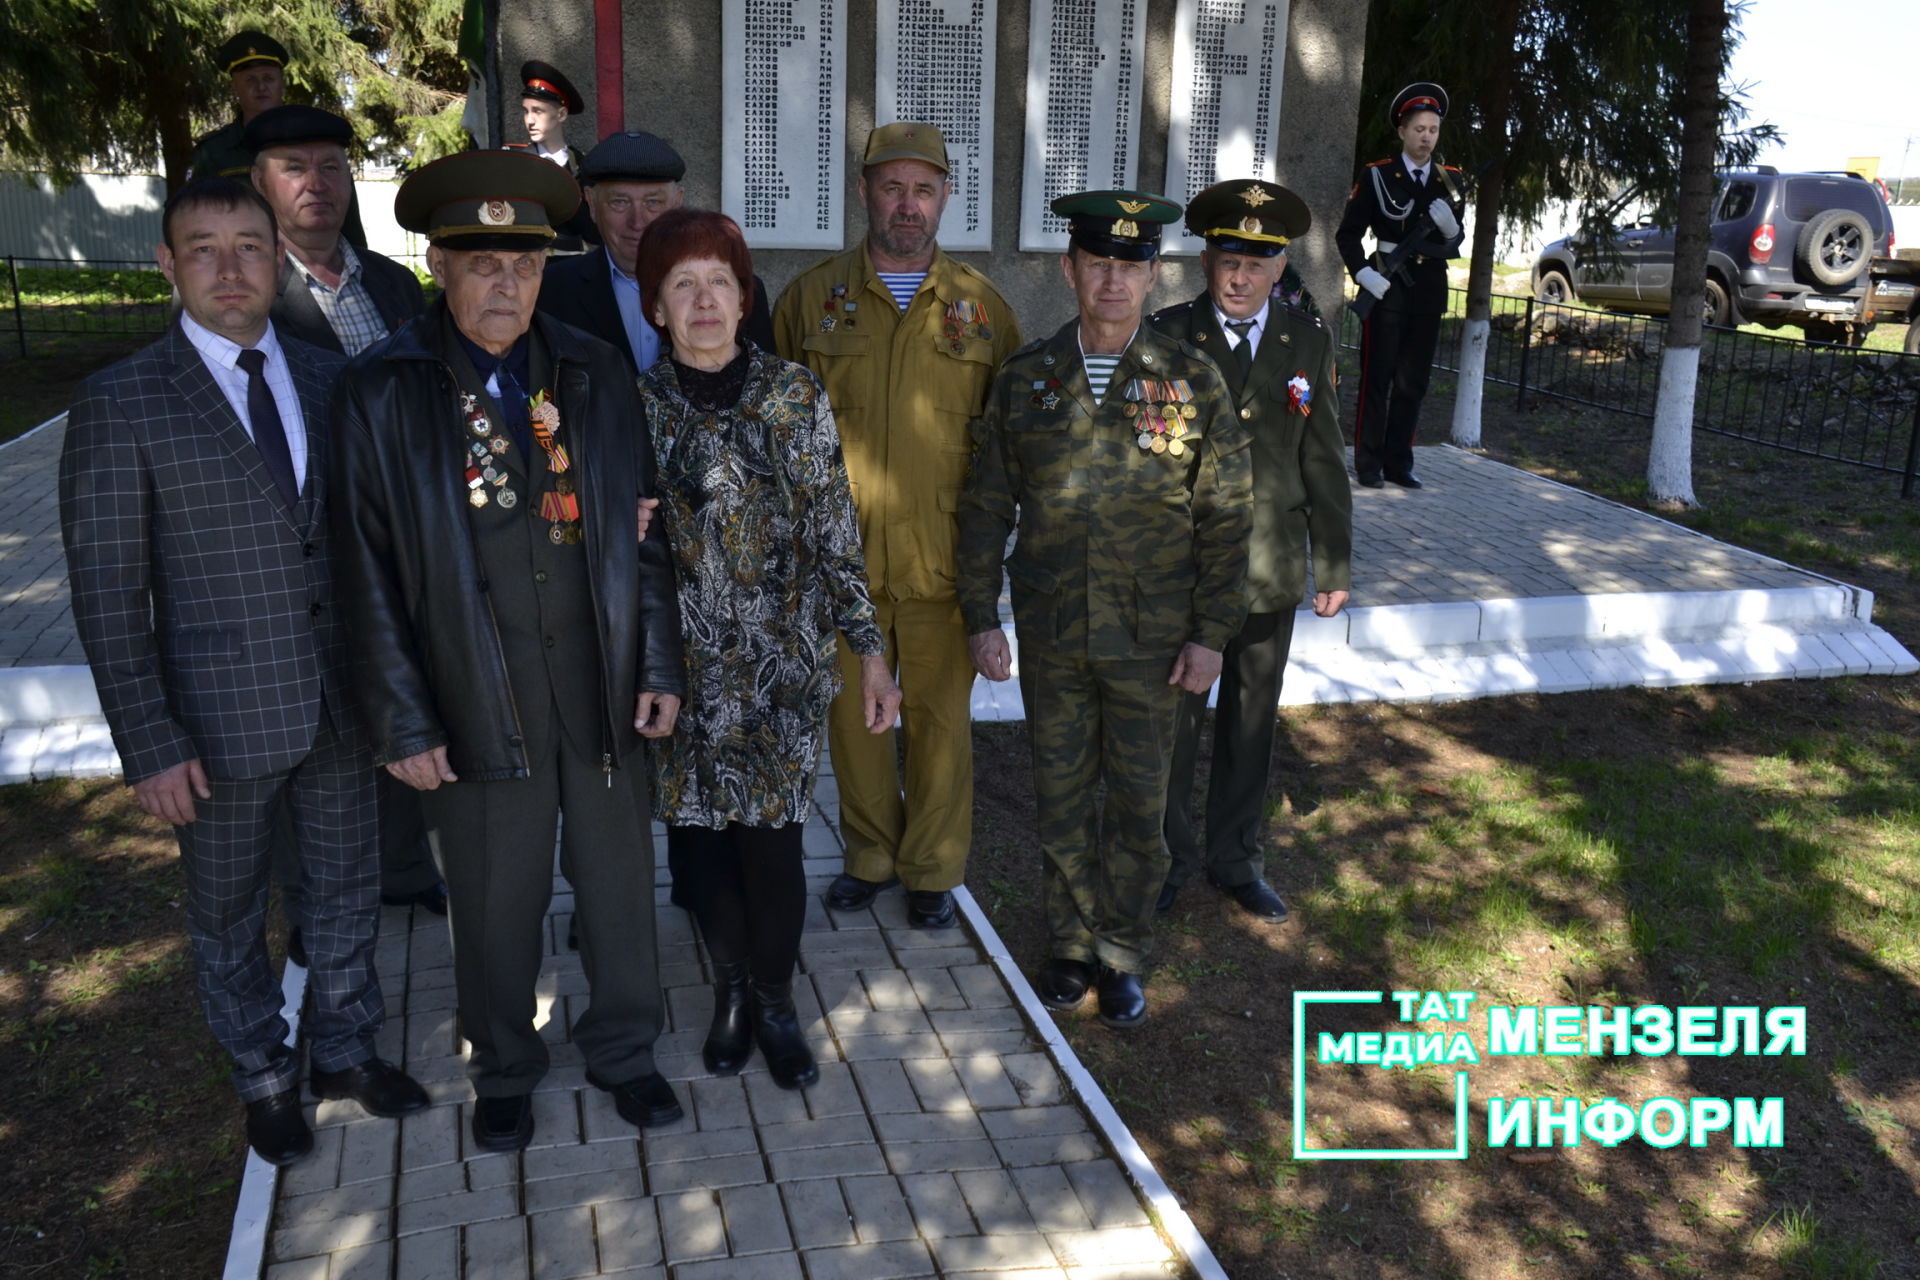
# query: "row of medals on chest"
965 319
488 480
1160 409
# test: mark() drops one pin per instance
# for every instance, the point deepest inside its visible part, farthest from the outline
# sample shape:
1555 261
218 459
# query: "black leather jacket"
428 666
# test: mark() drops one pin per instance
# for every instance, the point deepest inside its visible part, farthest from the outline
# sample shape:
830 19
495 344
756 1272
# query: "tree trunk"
1503 23
1670 458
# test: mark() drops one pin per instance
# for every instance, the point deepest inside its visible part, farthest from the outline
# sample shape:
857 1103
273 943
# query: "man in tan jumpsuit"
906 340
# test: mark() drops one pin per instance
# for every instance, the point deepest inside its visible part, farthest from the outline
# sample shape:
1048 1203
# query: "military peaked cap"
487 200
1424 96
248 48
1117 224
1248 216
543 80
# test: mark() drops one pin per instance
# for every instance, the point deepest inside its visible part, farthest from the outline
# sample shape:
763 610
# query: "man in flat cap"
630 178
906 340
343 299
514 639
1117 452
1409 197
1278 365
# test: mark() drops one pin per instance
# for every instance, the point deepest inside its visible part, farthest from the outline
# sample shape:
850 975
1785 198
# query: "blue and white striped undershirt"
902 284
1100 373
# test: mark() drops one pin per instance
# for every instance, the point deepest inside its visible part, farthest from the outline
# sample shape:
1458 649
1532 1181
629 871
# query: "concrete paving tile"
755 1220
719 1172
833 1131
985 1079
766 1266
937 990
891 1260
938 1126
930 1157
1050 1198
666 1148
691 1226
1113 1246
592 1187
884 1086
937 1084
938 957
1035 1078
772 1104
320 1171
995 1202
879 1022
904 937
1028 1122
818 1213
459 1208
369 1262
981 985
628 1232
1134 1271
578 1157
1109 1199
998 1253
938 1207
889 988
301 1269
834 1093
341 1202
556 1119
495 1250
843 959
838 990
562 1244
827 1162
720 1103
431 1137
910 1045
952 1022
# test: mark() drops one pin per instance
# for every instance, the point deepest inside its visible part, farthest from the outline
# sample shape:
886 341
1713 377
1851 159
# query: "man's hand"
1372 281
647 506
654 714
169 795
991 656
1328 603
424 772
1443 220
879 695
1196 668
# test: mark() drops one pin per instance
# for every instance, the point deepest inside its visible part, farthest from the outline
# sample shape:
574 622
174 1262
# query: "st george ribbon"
783 77
933 62
1084 64
1229 57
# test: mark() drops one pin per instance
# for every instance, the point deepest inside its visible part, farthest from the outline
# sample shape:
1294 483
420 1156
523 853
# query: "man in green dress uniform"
1278 364
514 639
1117 452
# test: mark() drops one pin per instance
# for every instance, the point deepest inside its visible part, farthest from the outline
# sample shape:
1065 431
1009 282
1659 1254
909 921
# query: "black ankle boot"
776 1026
730 1038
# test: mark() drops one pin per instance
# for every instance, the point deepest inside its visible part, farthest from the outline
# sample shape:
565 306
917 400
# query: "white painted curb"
253 1214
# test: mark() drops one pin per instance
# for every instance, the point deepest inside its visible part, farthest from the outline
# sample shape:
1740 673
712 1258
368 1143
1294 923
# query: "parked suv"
1785 248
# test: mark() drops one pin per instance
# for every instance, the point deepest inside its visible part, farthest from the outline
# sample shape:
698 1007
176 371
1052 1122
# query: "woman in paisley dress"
757 509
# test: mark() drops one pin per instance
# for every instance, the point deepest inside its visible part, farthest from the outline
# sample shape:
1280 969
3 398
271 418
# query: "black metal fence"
1850 405
52 299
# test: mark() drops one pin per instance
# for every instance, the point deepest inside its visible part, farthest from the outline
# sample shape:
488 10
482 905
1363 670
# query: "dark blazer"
1386 200
203 601
579 291
395 291
1300 490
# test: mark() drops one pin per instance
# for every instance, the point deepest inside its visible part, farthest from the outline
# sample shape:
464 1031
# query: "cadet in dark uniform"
1118 451
513 638
1278 363
1410 196
547 98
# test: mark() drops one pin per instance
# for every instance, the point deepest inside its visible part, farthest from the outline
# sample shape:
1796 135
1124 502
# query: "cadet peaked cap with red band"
544 81
1424 96
487 200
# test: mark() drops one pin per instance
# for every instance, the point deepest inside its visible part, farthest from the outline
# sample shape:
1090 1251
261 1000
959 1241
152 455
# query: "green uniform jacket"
1300 490
1123 553
221 154
903 386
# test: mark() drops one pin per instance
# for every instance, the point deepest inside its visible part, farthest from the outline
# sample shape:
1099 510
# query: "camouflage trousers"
1100 724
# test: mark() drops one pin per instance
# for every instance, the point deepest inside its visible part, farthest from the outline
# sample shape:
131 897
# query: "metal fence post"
1526 349
1913 452
19 312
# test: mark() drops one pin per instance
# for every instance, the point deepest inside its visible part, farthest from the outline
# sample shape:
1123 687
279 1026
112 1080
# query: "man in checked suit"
1278 363
193 507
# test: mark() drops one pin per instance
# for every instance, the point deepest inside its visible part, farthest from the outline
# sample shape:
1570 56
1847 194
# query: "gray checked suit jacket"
204 602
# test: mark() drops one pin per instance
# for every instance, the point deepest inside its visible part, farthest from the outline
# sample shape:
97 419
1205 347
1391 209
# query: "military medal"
509 499
826 324
559 504
1176 448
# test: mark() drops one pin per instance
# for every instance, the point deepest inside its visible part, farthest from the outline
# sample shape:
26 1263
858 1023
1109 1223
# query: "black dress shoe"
1164 903
730 1036
276 1128
1258 897
380 1088
643 1102
503 1124
1062 984
851 893
1122 1002
433 898
930 908
296 947
1371 482
776 1028
1407 481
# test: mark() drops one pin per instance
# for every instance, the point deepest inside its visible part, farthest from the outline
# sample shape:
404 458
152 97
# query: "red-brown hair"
682 234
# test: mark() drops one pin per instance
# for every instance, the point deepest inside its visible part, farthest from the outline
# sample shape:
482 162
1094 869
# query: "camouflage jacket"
1125 550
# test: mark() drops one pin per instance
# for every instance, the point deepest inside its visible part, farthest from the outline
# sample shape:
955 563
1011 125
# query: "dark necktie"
269 435
1243 351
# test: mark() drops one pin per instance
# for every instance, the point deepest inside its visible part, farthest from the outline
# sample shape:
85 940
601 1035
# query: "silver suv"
1785 248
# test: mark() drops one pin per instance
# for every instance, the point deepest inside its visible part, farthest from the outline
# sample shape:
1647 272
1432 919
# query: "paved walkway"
941 1140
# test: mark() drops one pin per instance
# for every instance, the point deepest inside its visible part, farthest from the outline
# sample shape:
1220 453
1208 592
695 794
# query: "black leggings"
748 890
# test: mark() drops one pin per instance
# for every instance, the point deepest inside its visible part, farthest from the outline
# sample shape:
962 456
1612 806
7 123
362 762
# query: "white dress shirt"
1253 334
1418 172
222 357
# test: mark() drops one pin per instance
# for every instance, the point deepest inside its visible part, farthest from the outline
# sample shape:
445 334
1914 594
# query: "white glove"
1372 281
1443 218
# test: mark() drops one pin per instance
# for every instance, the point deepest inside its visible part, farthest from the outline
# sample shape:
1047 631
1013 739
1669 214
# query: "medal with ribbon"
559 504
484 471
1300 394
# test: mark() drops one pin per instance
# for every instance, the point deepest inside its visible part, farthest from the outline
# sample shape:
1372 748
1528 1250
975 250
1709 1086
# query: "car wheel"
1834 247
1719 309
1554 288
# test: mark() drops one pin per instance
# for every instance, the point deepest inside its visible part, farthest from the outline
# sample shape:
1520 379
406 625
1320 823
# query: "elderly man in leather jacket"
513 638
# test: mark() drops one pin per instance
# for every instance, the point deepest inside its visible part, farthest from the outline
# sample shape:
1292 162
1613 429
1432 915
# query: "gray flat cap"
632 157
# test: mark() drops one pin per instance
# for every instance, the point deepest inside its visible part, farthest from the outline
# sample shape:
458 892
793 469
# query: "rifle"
1418 241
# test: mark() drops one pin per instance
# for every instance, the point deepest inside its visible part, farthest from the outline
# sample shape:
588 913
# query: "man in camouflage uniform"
1119 452
1278 363
906 340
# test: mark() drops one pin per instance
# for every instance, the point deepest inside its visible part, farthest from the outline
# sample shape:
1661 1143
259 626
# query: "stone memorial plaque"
1229 57
1083 107
783 126
933 61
